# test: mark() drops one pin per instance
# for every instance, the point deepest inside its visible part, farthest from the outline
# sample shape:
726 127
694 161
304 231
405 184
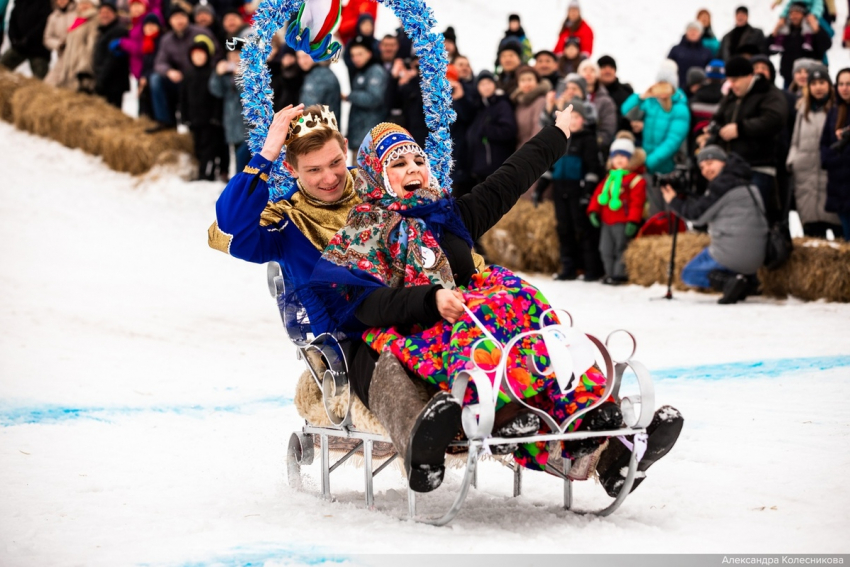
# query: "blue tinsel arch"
418 21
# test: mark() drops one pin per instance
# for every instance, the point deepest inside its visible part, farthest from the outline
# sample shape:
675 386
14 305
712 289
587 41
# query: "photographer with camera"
750 119
734 212
835 152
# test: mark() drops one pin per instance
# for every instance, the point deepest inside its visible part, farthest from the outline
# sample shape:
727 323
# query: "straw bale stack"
647 258
525 239
87 122
818 269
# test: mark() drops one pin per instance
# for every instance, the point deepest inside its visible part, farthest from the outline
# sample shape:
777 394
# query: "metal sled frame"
477 420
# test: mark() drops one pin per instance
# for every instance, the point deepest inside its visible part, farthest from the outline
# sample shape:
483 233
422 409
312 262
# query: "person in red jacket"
351 13
575 26
616 206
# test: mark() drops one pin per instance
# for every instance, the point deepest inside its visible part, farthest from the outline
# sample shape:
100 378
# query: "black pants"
578 239
818 229
208 149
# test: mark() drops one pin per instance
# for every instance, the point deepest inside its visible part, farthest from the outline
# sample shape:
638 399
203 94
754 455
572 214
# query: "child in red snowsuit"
616 206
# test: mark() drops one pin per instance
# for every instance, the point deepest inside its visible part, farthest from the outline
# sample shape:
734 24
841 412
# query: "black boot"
733 286
614 461
513 420
420 431
604 418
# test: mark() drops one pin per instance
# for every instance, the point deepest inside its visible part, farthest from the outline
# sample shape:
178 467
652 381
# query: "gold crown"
307 123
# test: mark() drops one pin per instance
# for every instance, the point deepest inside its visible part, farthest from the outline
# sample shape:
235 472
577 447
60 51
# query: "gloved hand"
631 229
594 220
115 47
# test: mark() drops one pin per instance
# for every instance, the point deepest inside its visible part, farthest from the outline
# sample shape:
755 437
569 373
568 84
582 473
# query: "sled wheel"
300 452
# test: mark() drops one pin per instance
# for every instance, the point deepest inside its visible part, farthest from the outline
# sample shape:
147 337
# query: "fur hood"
524 99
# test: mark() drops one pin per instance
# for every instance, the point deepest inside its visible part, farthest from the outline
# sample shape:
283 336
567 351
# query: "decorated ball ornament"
418 22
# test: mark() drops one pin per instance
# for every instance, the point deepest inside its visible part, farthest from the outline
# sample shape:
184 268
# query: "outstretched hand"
563 118
279 130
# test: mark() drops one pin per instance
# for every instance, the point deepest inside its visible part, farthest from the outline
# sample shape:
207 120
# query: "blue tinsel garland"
418 21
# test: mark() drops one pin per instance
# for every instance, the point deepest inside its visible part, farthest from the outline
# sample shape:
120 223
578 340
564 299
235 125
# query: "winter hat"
513 18
361 41
588 63
695 76
510 46
485 75
715 69
819 73
572 40
711 152
803 63
546 52
738 66
527 70
151 19
580 108
798 7
607 61
204 8
178 9
578 80
695 25
668 73
450 34
573 4
204 43
109 4
766 60
623 146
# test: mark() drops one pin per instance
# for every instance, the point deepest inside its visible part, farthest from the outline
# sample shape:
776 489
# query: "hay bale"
525 239
9 83
647 258
817 269
88 122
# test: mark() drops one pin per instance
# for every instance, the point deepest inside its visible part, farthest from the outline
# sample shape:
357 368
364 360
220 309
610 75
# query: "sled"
325 358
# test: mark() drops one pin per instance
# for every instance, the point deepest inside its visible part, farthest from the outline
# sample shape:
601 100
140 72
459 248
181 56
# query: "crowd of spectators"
786 146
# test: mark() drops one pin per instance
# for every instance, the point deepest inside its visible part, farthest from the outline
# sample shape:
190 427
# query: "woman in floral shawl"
404 265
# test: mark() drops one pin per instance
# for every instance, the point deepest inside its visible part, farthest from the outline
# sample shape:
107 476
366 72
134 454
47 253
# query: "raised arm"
491 199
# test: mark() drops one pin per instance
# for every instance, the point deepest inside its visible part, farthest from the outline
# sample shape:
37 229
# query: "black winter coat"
479 210
111 71
739 37
408 98
26 27
792 49
198 107
837 165
689 54
465 110
492 136
619 92
761 116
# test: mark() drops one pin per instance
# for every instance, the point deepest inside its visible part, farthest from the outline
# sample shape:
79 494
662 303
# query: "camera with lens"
843 140
679 179
713 132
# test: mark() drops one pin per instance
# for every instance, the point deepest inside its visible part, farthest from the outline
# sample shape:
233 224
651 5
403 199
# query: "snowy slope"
146 388
146 384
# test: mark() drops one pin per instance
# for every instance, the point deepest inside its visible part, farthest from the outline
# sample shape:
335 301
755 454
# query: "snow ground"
145 403
146 385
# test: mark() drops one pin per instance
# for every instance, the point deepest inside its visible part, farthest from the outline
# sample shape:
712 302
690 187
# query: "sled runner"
337 422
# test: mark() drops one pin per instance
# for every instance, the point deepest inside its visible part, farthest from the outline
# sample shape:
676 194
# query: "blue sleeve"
630 103
238 212
372 96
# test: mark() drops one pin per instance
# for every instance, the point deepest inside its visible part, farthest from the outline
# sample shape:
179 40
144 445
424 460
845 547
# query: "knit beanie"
607 61
578 80
151 18
547 53
203 43
711 152
715 69
573 4
587 63
695 25
450 34
514 46
581 108
819 72
738 66
109 4
803 63
622 146
695 76
527 70
668 73
485 75
362 41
